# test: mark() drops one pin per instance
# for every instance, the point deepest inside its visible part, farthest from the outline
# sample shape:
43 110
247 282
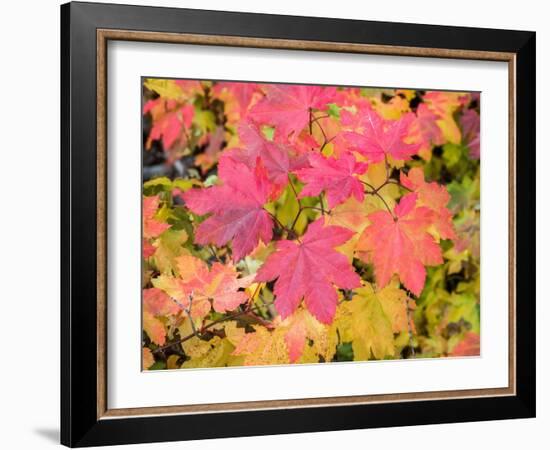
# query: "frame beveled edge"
80 425
103 36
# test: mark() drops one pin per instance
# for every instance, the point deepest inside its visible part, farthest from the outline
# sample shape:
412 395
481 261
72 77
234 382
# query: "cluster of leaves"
304 224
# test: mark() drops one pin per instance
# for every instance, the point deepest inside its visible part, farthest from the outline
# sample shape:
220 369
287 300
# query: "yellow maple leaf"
363 322
213 353
261 347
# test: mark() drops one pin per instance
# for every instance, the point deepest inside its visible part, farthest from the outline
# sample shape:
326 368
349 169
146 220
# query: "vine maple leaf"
147 359
376 138
220 283
236 208
278 159
237 97
197 286
444 104
434 196
156 303
261 347
302 328
169 119
288 107
152 227
334 176
425 131
363 322
310 269
469 346
401 245
470 131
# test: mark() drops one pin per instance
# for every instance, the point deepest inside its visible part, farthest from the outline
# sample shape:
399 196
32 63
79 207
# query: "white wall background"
29 224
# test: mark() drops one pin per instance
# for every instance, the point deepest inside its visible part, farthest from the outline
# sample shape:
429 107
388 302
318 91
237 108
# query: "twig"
210 325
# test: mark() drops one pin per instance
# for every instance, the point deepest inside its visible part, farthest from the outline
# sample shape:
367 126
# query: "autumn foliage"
308 224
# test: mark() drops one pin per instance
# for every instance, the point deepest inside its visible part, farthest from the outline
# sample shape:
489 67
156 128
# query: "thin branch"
214 253
294 190
279 223
385 204
392 181
317 118
370 186
245 312
322 205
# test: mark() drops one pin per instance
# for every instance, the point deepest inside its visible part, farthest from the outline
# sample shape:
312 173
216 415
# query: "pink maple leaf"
401 245
334 176
278 159
310 269
288 107
236 208
375 137
433 196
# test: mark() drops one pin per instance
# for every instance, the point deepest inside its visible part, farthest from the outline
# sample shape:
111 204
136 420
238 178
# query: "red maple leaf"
375 137
236 208
401 245
434 196
288 107
310 269
334 176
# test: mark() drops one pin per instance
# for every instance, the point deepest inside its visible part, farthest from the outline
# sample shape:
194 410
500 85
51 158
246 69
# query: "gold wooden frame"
103 36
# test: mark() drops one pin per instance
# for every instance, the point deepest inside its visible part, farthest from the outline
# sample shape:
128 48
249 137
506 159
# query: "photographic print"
291 224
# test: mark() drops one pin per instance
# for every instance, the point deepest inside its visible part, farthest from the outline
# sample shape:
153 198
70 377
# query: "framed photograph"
277 224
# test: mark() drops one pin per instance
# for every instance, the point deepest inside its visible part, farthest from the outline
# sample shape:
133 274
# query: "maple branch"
370 186
316 118
316 208
256 291
294 190
246 312
326 140
286 229
374 191
387 166
322 205
214 254
188 312
396 182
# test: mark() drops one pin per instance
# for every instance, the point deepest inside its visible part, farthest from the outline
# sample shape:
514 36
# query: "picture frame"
86 29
